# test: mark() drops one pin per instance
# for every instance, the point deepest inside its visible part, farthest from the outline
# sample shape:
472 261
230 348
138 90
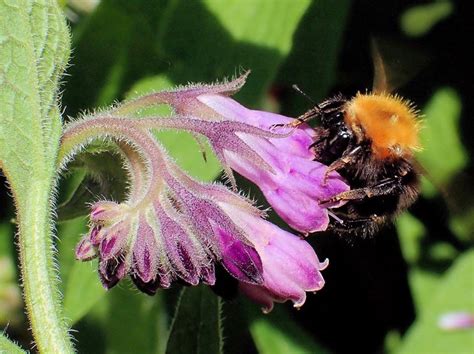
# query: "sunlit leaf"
440 136
453 294
276 333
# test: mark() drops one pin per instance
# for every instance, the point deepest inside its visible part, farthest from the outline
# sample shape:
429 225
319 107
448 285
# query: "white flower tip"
300 302
324 265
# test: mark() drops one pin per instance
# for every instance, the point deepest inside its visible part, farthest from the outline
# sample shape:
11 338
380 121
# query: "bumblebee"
369 140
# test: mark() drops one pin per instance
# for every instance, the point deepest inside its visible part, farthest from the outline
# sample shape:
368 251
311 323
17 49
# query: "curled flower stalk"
172 227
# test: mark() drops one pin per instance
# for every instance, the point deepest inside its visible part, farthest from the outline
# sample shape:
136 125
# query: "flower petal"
239 259
290 265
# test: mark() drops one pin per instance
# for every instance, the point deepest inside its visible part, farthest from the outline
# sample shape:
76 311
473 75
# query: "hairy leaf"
34 47
7 346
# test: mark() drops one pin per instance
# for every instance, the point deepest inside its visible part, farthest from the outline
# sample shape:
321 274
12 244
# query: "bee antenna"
302 93
305 95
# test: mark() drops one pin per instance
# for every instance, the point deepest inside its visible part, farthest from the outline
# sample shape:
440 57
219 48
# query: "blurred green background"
382 295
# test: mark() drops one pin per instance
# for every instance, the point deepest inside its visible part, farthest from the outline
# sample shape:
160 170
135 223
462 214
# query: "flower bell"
174 228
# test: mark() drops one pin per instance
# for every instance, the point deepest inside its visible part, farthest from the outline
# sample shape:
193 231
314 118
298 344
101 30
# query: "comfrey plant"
172 227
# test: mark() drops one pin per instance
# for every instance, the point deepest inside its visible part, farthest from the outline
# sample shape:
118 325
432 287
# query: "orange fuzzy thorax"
388 121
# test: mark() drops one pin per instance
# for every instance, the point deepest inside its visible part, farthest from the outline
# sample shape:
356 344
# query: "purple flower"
290 265
295 185
174 228
182 227
279 161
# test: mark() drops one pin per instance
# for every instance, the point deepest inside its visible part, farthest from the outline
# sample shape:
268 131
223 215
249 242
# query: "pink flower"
174 228
290 265
279 161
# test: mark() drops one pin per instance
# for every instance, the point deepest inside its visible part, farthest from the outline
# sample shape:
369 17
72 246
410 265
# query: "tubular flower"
290 265
173 228
175 231
281 164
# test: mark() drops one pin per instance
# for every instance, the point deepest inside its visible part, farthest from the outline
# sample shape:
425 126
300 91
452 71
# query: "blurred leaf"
312 62
10 294
205 41
453 294
443 154
277 333
186 40
427 259
188 154
419 20
411 231
423 284
92 175
83 290
6 239
69 233
110 47
196 326
133 322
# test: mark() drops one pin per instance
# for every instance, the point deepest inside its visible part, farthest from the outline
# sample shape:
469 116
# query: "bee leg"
312 113
386 186
354 222
340 163
361 226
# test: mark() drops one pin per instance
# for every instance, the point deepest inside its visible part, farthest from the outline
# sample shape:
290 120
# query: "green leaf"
453 294
7 346
83 290
33 52
315 69
209 40
411 231
197 326
110 48
134 322
92 174
419 20
184 40
440 136
34 48
276 333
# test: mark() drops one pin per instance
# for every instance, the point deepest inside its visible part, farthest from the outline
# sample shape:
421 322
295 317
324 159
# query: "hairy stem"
39 278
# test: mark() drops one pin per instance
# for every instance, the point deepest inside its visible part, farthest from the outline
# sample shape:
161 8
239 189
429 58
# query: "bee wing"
395 64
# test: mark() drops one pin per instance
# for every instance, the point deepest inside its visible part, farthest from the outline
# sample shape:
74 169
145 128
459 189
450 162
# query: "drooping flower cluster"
172 227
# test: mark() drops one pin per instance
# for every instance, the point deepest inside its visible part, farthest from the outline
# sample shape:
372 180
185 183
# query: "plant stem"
38 271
